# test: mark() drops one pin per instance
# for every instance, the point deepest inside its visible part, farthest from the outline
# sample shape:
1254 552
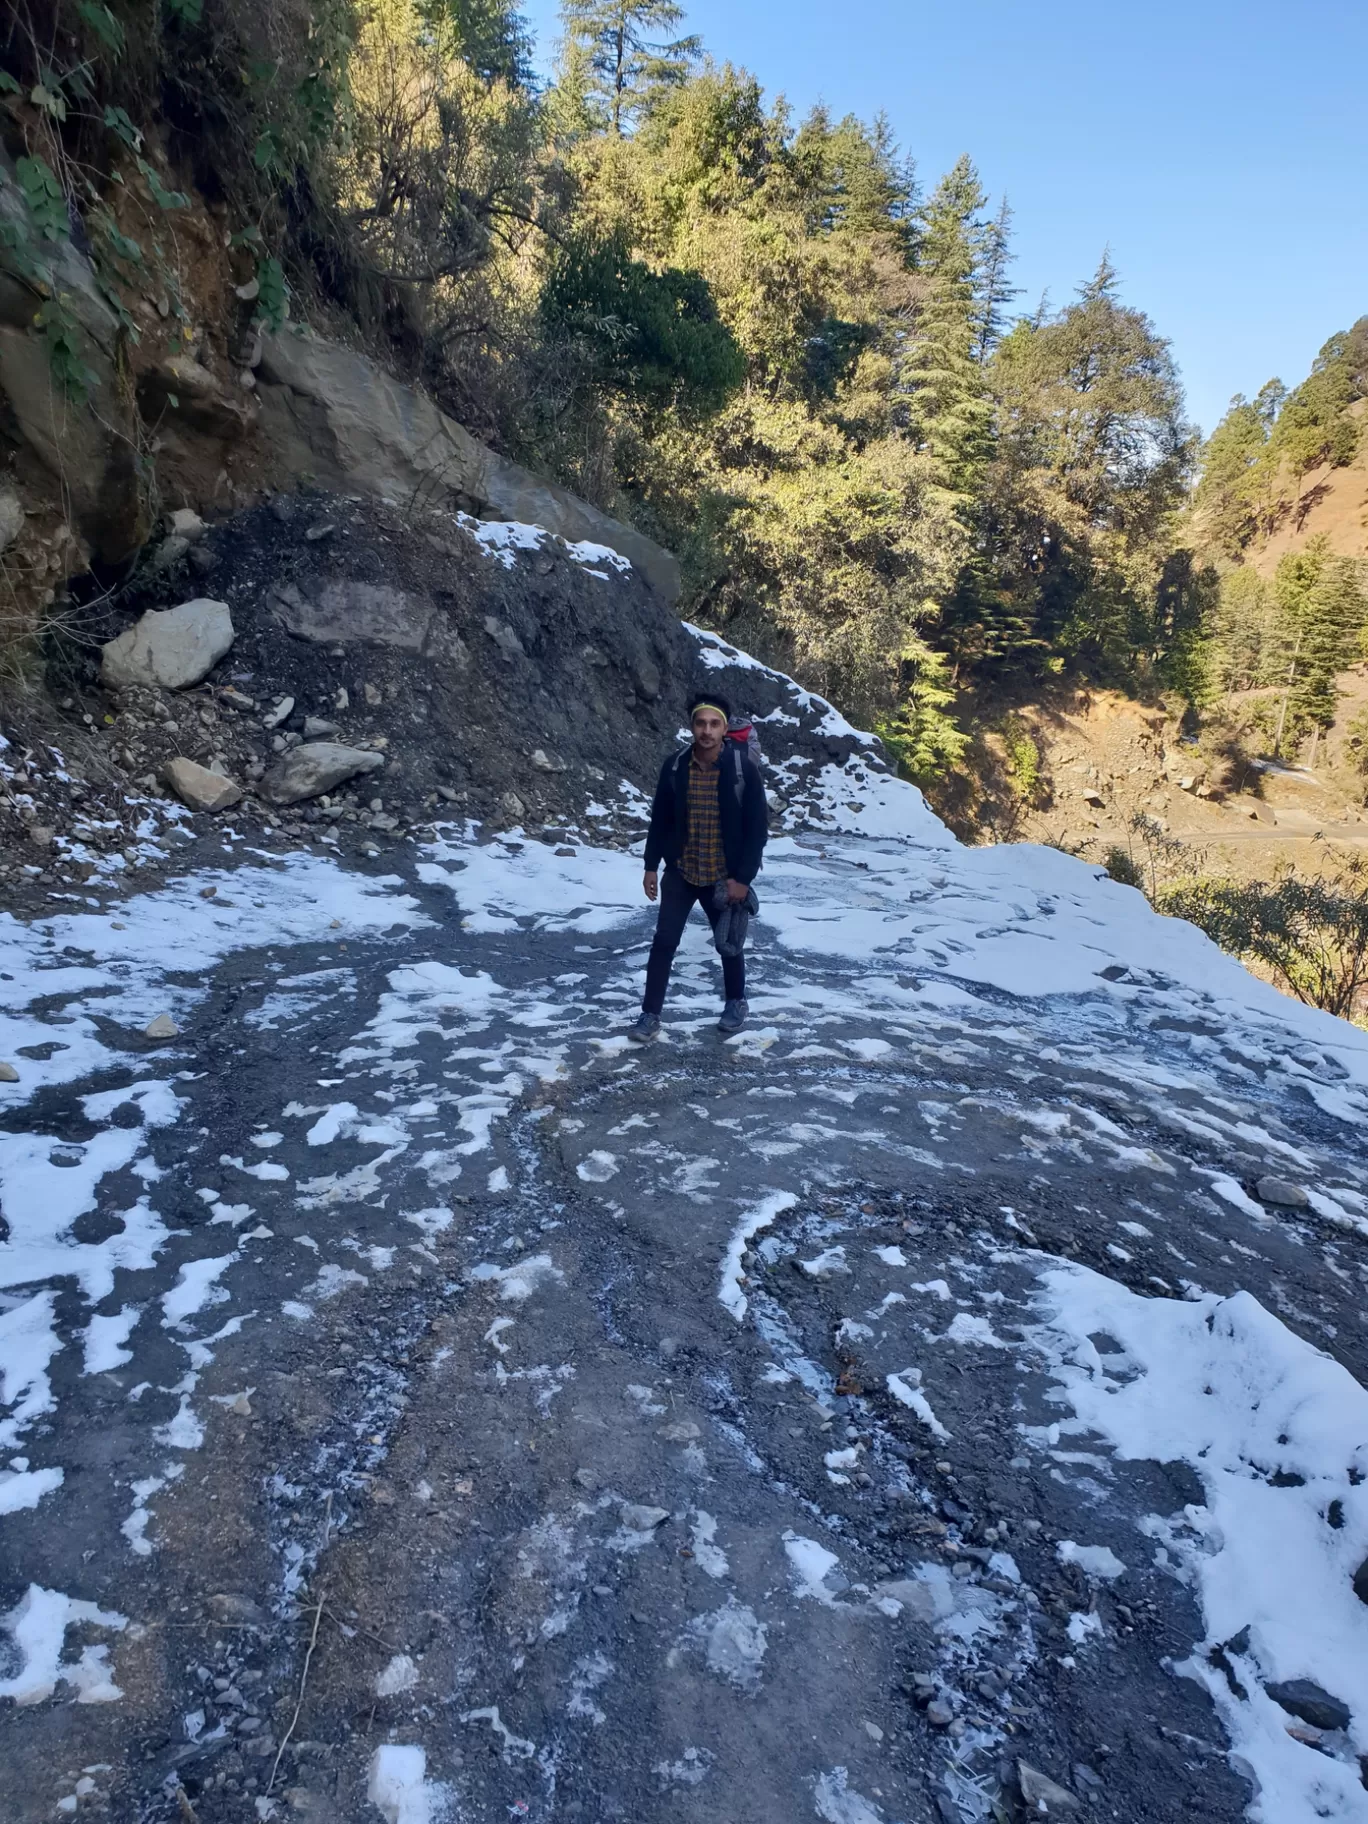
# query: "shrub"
1312 935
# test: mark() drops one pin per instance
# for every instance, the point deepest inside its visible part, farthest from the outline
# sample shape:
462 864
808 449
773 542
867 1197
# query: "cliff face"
187 402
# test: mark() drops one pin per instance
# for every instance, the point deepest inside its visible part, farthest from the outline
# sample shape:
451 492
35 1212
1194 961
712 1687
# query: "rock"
163 1027
172 647
543 761
186 523
1361 1581
337 415
41 835
1043 1798
199 787
315 768
170 551
1187 784
11 517
1304 1698
1094 798
281 713
8 1074
316 728
1282 1193
232 1607
643 1519
939 1714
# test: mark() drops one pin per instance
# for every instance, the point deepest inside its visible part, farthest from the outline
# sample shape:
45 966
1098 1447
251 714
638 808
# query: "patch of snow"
906 1389
812 1565
37 1625
759 1217
1275 1431
1093 1560
521 1280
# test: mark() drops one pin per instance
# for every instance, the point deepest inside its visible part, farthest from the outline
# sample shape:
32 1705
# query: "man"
709 822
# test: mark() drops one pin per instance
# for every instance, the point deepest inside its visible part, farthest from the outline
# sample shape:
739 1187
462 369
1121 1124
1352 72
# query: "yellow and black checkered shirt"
704 861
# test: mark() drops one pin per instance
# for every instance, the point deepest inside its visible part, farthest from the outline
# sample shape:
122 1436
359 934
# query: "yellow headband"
716 708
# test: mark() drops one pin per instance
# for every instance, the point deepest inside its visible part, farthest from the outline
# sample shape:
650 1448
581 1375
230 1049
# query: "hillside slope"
420 1406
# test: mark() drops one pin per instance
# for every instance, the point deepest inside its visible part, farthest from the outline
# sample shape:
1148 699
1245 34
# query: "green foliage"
1312 935
1255 461
921 731
43 196
1022 753
656 335
62 339
1123 866
618 55
273 293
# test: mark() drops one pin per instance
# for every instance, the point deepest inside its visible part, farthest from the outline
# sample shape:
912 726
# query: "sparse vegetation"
1311 935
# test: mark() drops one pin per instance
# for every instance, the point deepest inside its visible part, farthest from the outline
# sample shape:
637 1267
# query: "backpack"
741 733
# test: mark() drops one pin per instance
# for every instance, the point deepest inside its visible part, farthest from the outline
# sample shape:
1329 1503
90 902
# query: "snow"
760 1217
811 1564
37 1625
1093 1560
399 1787
906 1389
1275 1431
504 539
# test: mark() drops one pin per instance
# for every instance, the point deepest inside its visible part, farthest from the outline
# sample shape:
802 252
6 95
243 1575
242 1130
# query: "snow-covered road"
419 1405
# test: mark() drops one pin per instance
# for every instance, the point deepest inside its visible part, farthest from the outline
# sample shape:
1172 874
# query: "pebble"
163 1027
939 1714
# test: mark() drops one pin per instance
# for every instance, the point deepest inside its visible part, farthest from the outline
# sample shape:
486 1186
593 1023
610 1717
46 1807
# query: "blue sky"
1220 150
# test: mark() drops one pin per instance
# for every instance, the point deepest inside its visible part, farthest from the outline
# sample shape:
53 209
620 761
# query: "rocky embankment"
337 672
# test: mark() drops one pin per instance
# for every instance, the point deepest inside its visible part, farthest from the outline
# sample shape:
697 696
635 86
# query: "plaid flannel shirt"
704 861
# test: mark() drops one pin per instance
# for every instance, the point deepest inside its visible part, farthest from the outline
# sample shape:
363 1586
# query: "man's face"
709 726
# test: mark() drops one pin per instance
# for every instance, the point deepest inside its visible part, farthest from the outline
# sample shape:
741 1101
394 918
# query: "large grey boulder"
199 788
314 768
173 647
337 418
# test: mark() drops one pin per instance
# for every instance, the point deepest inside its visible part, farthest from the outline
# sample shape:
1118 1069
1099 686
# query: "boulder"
1043 1797
1282 1193
163 1027
198 788
8 1074
338 417
186 523
315 768
1304 1698
173 647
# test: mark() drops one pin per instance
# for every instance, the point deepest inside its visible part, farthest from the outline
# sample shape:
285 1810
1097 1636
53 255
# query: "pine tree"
995 291
949 413
1233 468
630 57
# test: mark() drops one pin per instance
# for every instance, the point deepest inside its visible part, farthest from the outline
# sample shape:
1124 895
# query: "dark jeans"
677 899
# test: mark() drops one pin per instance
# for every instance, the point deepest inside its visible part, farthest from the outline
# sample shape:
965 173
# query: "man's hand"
736 890
650 883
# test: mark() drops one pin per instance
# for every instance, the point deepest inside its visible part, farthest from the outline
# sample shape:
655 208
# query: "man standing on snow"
709 822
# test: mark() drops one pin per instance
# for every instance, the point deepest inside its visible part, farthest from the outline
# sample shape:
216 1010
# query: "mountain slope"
421 1406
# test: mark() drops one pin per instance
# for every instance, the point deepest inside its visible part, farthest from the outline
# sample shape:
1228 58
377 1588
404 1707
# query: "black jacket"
744 816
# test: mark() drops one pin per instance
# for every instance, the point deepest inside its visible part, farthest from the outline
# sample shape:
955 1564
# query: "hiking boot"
647 1027
733 1017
